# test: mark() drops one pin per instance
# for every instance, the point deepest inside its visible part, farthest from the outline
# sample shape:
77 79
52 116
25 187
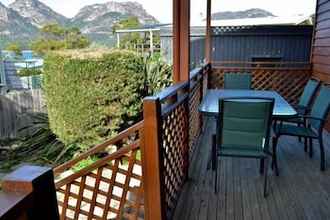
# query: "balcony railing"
144 178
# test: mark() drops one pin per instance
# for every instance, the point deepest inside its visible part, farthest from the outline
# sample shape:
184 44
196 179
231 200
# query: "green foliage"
90 99
29 72
131 39
54 37
14 47
158 74
85 163
130 22
38 145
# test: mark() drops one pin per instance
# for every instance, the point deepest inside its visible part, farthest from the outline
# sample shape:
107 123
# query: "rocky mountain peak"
37 13
249 13
92 12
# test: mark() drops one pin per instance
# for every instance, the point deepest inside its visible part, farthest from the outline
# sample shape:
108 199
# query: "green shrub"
30 72
90 96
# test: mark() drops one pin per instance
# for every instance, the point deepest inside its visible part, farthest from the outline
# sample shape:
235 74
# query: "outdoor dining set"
250 122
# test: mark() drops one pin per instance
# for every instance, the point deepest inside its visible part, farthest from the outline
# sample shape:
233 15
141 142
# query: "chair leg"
299 138
215 163
322 153
262 166
306 144
311 150
214 152
274 156
266 177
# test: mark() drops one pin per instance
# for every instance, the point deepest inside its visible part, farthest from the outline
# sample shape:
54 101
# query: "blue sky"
161 9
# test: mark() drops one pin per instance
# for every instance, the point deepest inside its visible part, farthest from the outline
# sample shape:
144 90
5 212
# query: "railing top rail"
98 148
195 72
258 62
171 91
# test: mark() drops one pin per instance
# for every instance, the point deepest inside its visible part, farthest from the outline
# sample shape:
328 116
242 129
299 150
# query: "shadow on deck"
301 191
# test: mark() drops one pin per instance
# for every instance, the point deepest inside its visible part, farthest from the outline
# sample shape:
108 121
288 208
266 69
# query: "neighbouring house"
286 39
12 64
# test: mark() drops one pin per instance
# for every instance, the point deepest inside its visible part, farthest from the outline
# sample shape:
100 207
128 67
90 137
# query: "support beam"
181 40
151 158
151 41
208 40
118 40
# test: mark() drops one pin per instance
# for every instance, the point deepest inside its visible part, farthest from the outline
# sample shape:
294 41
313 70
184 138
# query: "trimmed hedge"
90 96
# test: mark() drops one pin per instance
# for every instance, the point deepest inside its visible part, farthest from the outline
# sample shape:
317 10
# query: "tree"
14 47
54 37
131 39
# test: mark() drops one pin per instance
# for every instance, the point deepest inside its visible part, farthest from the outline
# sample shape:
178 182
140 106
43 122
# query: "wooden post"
151 160
208 40
181 40
35 184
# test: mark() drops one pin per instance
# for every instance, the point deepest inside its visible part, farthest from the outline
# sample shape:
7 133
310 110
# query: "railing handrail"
98 148
171 91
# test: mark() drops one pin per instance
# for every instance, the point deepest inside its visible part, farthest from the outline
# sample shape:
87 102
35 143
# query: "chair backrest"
321 107
309 92
237 81
245 123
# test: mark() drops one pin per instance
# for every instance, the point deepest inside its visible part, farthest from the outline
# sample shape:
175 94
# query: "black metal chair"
243 130
237 81
314 122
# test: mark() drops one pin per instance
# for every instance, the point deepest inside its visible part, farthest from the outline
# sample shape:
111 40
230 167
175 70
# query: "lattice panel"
175 154
289 83
195 117
112 191
110 188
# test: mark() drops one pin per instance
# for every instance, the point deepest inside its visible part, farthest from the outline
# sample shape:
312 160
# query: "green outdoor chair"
313 129
237 81
304 104
307 96
243 130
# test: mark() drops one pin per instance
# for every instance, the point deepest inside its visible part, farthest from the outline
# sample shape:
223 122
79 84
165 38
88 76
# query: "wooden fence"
13 107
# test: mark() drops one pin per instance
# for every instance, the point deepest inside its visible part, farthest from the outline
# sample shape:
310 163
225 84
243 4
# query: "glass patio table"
210 103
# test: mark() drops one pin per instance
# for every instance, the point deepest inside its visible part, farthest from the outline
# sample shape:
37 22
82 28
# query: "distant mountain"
250 13
23 18
37 13
99 18
14 27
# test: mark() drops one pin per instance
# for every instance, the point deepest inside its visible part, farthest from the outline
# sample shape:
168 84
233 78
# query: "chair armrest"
313 118
302 110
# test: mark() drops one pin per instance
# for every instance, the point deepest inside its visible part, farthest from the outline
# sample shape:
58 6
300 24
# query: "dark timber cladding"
321 44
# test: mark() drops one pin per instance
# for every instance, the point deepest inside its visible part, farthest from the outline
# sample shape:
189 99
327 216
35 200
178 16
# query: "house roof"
288 20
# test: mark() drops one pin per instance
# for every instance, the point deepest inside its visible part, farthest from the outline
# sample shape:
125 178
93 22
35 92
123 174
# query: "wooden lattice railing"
172 126
288 79
198 86
111 187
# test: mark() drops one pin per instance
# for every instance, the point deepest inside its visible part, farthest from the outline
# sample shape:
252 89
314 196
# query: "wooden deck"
300 192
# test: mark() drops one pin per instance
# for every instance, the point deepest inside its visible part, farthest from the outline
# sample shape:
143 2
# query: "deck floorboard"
301 191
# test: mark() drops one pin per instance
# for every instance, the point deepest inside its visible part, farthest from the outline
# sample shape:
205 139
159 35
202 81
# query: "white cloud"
162 9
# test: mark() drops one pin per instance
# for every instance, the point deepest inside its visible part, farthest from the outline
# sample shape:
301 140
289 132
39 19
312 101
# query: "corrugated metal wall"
287 43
